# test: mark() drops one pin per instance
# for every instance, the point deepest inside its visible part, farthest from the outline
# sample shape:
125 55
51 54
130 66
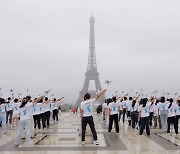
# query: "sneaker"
109 133
28 143
118 133
96 142
83 143
4 133
16 144
11 127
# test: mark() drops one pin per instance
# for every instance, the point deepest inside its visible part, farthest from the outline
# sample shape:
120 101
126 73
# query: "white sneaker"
83 143
11 127
109 133
4 133
28 143
96 142
118 133
164 130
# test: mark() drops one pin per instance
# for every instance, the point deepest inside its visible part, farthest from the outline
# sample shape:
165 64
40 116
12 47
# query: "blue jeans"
163 116
144 123
23 124
134 118
3 120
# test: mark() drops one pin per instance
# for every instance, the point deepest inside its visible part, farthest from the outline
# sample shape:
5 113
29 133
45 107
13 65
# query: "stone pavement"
64 138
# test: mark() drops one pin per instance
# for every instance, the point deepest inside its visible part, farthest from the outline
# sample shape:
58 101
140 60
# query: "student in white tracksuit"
3 114
25 111
15 119
163 113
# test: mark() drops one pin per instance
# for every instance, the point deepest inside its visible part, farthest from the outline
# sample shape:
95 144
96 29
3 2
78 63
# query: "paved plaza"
64 138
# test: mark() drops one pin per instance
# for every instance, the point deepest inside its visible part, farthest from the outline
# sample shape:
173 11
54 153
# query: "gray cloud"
44 44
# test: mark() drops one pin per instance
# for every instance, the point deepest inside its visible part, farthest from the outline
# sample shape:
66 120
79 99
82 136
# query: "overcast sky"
44 45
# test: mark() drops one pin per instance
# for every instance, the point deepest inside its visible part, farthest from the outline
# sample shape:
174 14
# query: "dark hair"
157 101
144 102
40 101
125 98
178 101
28 98
24 102
162 99
15 100
171 101
87 96
109 100
46 98
2 101
9 98
130 98
54 99
133 103
141 102
114 99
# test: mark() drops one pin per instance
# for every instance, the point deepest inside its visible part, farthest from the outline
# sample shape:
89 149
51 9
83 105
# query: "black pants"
103 115
159 121
172 120
37 120
114 118
129 117
124 113
9 115
144 123
43 120
55 115
47 118
134 118
88 120
177 121
120 113
150 118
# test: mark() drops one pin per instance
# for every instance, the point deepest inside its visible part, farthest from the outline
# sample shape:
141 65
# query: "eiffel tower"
92 73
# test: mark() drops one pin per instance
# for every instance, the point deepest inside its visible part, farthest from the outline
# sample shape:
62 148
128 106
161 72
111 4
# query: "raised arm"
136 98
38 99
60 99
100 94
178 98
123 97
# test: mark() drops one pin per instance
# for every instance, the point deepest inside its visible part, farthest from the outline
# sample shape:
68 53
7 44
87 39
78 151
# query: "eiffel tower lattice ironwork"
92 73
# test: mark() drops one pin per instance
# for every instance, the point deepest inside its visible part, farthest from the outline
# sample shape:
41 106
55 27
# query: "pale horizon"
45 44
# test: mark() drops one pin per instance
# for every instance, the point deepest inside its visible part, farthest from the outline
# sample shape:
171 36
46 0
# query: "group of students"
19 112
141 112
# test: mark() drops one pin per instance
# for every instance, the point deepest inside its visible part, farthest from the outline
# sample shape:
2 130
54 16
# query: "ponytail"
144 102
171 101
24 102
178 102
133 103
